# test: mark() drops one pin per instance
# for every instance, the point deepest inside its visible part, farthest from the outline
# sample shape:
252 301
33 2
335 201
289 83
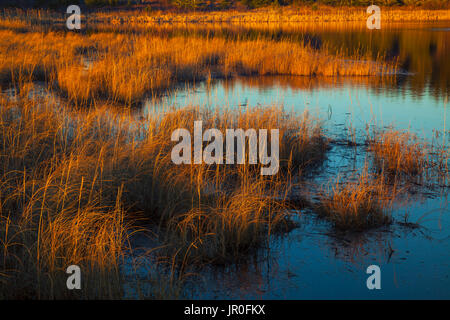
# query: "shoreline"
276 15
323 14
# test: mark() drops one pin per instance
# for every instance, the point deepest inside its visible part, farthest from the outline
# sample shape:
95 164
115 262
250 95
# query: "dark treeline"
224 4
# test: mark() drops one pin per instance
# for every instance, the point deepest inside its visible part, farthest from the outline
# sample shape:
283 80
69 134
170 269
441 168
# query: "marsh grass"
284 14
52 216
293 14
398 153
402 156
126 67
77 175
362 203
232 209
75 182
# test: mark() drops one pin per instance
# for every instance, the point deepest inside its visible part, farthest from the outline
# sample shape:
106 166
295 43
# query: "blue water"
312 262
345 103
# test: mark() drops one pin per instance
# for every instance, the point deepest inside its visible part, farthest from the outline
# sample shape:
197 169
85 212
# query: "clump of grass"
398 153
402 155
227 227
439 156
228 210
304 145
357 205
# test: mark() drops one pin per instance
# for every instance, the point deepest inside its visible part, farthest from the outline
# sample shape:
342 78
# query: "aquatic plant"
362 202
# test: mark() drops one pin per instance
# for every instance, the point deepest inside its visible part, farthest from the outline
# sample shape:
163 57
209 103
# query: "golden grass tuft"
398 153
362 203
402 155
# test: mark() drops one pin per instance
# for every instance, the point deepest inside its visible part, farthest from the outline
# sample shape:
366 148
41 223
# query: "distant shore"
279 15
289 14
